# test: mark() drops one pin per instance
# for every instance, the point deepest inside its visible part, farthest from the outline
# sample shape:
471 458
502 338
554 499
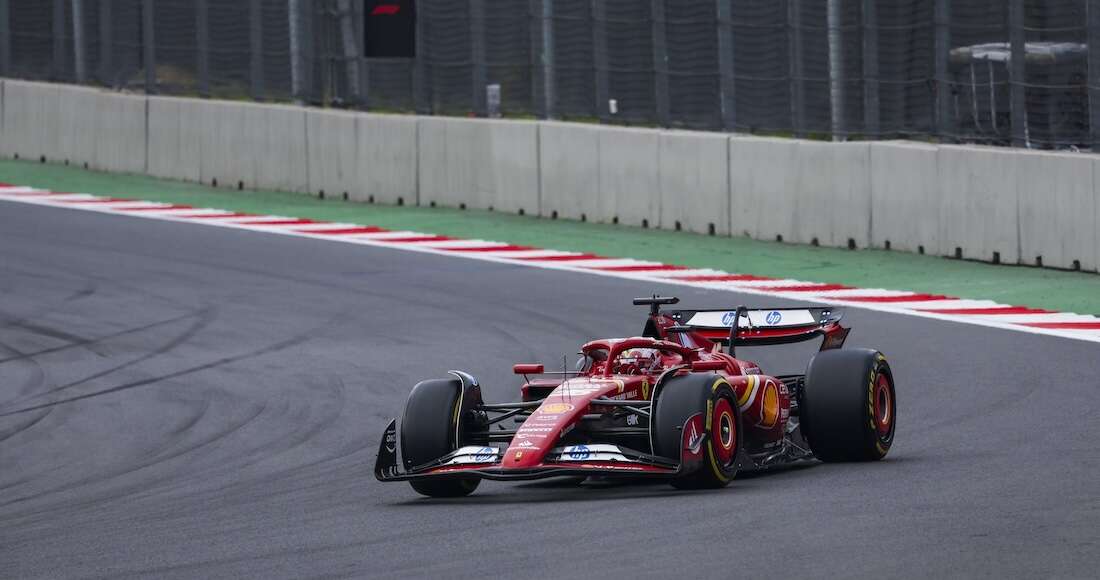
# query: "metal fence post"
1093 21
106 45
1018 73
148 42
80 61
358 13
838 94
256 48
422 98
943 96
871 113
542 54
599 58
5 38
479 73
660 62
58 34
202 45
794 37
725 64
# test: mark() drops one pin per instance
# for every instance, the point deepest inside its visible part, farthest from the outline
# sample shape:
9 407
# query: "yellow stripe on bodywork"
750 389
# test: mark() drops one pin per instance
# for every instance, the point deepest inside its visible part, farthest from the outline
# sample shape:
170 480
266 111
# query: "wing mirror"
700 366
527 369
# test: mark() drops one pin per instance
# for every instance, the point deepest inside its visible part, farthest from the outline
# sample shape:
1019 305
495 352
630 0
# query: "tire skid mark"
37 374
203 318
276 347
98 339
8 319
128 491
280 445
25 426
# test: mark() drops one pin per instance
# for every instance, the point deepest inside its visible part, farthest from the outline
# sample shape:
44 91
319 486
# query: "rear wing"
745 326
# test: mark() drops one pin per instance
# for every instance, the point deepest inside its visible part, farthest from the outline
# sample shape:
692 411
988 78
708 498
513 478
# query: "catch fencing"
1002 72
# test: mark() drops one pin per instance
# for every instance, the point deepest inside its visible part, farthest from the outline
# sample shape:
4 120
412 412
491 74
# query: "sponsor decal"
773 318
622 397
485 455
728 318
518 456
632 420
752 370
555 408
534 429
526 443
391 441
579 453
645 388
695 438
573 389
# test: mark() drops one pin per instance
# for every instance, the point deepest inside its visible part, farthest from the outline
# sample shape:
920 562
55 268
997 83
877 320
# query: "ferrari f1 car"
675 403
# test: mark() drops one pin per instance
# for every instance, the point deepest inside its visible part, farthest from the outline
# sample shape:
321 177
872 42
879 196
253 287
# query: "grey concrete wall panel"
630 181
978 213
221 127
284 165
455 162
570 170
833 196
905 197
30 120
1057 196
762 174
387 149
174 139
694 170
120 132
514 161
333 155
77 139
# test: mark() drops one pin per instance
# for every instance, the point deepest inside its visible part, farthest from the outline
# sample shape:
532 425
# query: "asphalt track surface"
185 401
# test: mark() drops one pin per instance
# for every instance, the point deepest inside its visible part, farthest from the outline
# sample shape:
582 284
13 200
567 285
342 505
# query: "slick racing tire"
848 408
428 431
679 399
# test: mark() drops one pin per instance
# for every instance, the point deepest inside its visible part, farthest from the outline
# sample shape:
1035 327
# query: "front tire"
683 397
848 407
432 427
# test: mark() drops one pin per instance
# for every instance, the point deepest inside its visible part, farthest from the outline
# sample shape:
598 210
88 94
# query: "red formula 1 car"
669 404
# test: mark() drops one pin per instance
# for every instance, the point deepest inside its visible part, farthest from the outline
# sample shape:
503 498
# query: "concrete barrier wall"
979 209
485 164
630 180
30 120
1057 197
1013 205
833 194
387 156
120 133
695 182
281 156
763 177
332 153
569 156
78 144
905 197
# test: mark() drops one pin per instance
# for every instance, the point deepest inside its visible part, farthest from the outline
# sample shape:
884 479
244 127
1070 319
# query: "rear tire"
678 400
848 407
432 427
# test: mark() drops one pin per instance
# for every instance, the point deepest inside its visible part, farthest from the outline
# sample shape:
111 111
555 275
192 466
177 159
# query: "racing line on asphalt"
936 306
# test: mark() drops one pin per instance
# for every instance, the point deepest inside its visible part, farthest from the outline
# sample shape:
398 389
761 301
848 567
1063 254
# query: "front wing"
571 460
